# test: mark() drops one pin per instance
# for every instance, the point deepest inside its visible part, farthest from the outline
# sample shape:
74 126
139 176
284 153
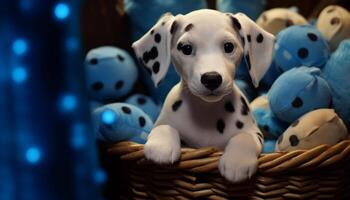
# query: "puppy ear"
258 46
153 49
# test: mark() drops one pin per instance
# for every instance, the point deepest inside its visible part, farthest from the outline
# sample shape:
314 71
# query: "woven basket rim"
206 159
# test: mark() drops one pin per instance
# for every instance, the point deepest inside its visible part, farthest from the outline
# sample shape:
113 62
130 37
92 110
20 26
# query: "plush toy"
120 121
252 8
300 45
111 73
143 15
322 126
146 104
337 73
277 19
298 91
260 102
334 24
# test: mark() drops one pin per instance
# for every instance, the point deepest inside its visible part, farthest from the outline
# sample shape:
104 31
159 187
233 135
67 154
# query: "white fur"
195 120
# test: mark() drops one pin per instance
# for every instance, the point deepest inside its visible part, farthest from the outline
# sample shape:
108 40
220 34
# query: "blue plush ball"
252 8
111 73
146 104
120 121
300 45
269 124
298 91
337 73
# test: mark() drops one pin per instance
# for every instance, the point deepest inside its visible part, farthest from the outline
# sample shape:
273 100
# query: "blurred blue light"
68 102
78 137
19 74
61 11
72 43
100 176
108 116
20 46
33 155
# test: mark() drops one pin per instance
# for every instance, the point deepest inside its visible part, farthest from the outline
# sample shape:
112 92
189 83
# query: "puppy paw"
238 168
162 152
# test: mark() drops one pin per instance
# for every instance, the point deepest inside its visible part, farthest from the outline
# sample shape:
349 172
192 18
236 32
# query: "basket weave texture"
319 173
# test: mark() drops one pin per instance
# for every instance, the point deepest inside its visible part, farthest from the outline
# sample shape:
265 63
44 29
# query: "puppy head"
205 47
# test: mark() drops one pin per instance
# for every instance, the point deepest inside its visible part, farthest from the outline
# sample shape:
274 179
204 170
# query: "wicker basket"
320 173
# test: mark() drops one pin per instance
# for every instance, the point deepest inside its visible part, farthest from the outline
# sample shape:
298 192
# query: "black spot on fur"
119 84
145 67
245 107
97 86
229 107
260 134
188 27
249 38
236 23
330 10
297 102
303 53
176 105
295 123
312 36
142 121
93 61
126 109
157 37
152 31
259 38
247 59
239 124
335 20
243 40
173 27
141 100
294 140
155 67
153 54
120 57
163 23
220 126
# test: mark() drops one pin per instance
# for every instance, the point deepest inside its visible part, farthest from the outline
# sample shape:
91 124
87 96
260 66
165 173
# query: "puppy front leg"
240 159
163 145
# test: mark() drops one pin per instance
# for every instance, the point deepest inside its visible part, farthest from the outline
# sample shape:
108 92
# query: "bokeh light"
78 137
68 102
61 11
19 74
20 46
100 176
33 155
108 116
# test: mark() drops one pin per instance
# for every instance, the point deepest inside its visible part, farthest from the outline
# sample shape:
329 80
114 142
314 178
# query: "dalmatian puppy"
206 108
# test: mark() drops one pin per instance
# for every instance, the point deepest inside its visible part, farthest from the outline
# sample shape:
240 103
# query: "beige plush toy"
322 126
277 19
334 24
260 102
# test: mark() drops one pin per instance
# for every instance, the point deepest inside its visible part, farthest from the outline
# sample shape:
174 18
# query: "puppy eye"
228 47
186 49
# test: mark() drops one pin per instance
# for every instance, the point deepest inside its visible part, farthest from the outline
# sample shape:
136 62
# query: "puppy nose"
211 80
